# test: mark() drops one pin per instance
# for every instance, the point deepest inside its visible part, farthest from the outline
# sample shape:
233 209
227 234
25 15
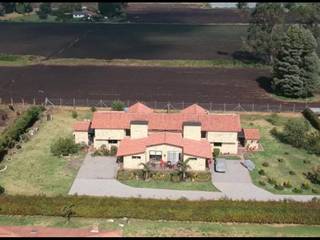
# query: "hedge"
162 175
15 130
312 118
285 212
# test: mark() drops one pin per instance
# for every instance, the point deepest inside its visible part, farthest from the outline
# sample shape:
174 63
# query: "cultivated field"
122 41
134 83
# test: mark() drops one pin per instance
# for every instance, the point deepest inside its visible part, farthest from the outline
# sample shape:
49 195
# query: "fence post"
22 100
74 102
253 107
210 106
100 102
87 102
294 107
280 107
34 101
268 108
60 102
182 104
11 100
155 104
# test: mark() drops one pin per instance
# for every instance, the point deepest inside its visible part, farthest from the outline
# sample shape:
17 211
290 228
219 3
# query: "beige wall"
103 135
138 130
253 144
80 137
164 148
229 141
130 163
196 165
192 132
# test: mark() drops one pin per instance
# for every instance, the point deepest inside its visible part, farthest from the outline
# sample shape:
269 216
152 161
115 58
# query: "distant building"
230 4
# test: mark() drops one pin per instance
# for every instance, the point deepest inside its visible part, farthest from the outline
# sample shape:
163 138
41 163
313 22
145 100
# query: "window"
112 141
173 157
155 155
193 158
217 144
136 157
203 134
128 133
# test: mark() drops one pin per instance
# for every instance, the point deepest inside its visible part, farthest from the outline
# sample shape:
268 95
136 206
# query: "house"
142 135
251 138
81 132
83 14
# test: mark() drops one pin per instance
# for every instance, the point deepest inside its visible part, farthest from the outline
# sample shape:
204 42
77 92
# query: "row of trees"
289 48
19 7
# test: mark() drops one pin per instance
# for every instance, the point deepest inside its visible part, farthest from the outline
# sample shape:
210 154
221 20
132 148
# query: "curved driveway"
96 178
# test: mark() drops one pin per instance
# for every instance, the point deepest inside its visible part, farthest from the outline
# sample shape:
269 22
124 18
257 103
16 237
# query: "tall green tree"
9 7
111 9
23 7
242 5
65 10
44 10
296 69
266 24
2 10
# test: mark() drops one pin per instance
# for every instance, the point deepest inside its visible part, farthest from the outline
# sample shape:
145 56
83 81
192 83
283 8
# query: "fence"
211 106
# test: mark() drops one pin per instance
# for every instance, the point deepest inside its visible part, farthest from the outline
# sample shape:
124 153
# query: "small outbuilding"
80 132
251 138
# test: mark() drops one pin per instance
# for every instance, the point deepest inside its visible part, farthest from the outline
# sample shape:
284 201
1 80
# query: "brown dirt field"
202 85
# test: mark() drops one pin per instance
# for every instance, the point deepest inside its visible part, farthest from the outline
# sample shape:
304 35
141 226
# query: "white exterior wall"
229 141
164 148
192 132
196 165
138 130
103 135
81 137
130 163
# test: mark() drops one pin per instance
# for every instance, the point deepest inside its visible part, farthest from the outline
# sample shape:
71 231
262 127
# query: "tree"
9 7
183 167
65 10
64 147
242 5
2 10
44 10
117 105
146 170
111 9
296 69
264 29
23 7
294 132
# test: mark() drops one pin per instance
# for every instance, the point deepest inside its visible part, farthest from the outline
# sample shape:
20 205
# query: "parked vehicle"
220 165
248 164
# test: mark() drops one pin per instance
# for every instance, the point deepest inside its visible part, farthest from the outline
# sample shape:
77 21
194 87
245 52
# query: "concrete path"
96 178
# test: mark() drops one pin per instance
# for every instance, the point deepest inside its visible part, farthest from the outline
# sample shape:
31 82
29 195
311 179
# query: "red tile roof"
167 121
139 108
194 109
190 147
251 133
82 126
31 231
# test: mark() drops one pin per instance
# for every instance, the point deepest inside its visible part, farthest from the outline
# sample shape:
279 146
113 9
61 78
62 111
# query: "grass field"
199 186
291 159
147 228
33 169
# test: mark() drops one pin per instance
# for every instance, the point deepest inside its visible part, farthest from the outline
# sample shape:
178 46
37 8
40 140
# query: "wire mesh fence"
210 106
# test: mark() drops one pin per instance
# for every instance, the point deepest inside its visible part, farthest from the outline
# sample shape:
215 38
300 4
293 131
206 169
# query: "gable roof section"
190 147
167 121
194 109
81 126
251 133
139 108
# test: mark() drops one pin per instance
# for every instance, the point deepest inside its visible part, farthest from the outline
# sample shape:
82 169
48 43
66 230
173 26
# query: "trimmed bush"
117 105
292 172
64 147
305 186
287 184
113 150
2 190
272 212
261 172
216 152
93 109
200 176
265 164
103 151
74 114
262 183
272 181
312 118
297 190
278 187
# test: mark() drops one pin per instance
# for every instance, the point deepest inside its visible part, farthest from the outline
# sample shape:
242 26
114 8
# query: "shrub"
200 176
113 150
314 191
312 118
314 175
278 187
280 160
273 119
287 184
272 181
297 190
265 164
305 186
216 152
74 114
286 153
93 109
117 105
2 190
294 132
262 183
127 174
64 147
261 172
306 161
274 132
104 151
292 172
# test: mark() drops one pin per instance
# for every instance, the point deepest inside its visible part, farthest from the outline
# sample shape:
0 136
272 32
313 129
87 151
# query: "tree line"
290 48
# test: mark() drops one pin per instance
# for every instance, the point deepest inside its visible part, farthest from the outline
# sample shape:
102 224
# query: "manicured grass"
33 169
148 228
198 186
282 158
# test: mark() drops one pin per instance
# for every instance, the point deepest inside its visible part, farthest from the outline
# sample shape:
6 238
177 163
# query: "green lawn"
147 228
199 186
291 159
33 169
